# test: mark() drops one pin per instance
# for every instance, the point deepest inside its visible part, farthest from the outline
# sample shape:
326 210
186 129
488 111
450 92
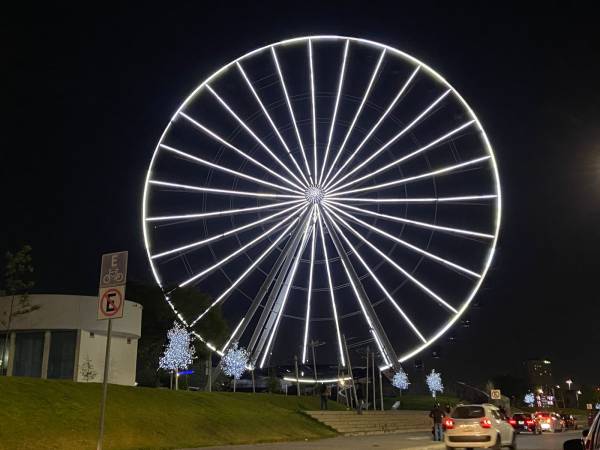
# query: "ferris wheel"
323 187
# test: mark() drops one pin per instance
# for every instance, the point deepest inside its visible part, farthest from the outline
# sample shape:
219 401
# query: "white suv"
478 426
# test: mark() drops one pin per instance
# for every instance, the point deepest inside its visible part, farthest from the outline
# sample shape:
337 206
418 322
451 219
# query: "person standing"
323 391
437 415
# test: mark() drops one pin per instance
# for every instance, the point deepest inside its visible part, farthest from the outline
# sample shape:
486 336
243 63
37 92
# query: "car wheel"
513 445
498 444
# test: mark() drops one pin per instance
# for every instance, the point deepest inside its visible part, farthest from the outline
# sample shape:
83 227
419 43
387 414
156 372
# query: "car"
478 426
525 422
550 421
570 421
590 439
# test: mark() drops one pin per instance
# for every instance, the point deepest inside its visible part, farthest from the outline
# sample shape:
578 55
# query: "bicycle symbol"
112 275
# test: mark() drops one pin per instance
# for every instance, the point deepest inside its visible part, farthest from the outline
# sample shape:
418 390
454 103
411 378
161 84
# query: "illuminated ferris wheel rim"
315 197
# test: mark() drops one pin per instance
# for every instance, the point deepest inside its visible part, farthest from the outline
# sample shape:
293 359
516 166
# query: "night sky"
87 94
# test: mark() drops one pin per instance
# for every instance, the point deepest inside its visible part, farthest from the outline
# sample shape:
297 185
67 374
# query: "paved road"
547 441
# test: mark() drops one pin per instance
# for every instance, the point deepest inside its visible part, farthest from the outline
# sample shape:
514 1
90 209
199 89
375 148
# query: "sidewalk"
413 441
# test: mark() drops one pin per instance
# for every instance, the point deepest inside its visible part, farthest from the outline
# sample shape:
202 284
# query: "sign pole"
105 385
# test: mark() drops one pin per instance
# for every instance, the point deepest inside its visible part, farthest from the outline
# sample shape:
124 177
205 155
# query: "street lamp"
577 394
569 382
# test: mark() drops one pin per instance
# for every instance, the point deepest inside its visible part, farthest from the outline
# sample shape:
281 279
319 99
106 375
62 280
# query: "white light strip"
286 293
222 191
465 198
219 236
414 222
309 293
289 104
239 250
235 149
227 170
312 381
256 138
383 289
408 245
392 140
268 116
362 306
414 178
332 295
392 263
314 110
226 212
378 123
360 107
404 158
232 335
246 272
335 109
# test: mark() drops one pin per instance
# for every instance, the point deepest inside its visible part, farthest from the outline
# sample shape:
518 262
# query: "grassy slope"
420 402
48 414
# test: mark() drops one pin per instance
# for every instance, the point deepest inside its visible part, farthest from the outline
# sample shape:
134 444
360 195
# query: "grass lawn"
50 414
419 402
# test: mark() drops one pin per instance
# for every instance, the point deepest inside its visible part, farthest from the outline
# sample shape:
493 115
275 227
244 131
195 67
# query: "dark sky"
87 93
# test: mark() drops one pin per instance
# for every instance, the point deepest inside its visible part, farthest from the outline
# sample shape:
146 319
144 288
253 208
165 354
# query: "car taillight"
529 422
449 424
485 423
547 420
512 421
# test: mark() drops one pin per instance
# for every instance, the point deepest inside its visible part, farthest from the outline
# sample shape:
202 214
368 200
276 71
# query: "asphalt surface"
413 441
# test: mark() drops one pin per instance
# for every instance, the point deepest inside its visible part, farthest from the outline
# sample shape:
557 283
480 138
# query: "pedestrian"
323 391
359 399
437 415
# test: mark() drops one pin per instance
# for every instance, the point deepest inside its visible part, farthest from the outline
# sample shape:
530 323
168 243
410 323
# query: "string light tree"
234 362
434 382
400 380
179 352
529 399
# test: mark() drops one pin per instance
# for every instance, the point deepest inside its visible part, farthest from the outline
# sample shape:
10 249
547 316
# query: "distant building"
539 373
62 338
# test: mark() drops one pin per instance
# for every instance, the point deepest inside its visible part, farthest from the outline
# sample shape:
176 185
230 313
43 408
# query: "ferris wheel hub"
314 195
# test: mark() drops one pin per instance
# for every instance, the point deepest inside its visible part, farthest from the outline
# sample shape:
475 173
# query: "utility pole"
209 370
297 380
373 371
380 391
350 370
313 344
253 385
367 386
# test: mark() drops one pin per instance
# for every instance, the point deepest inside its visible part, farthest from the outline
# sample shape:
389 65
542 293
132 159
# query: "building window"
91 335
29 349
62 354
129 340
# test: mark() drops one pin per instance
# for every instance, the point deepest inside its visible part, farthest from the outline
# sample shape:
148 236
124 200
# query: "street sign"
111 302
114 269
588 406
495 394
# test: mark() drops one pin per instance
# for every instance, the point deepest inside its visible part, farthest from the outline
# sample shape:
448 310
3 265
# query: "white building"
61 338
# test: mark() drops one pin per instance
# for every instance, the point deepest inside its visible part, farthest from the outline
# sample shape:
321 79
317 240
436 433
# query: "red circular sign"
111 302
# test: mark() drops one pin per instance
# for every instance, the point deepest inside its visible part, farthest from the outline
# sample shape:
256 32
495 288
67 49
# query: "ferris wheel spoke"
251 133
286 292
270 120
406 157
225 295
201 275
218 138
289 105
358 111
417 223
187 187
372 274
313 107
406 244
309 293
220 236
226 169
224 213
405 130
331 290
459 199
335 110
431 174
378 123
375 329
399 268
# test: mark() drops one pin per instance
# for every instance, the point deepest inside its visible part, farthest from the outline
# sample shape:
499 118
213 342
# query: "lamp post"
569 383
577 394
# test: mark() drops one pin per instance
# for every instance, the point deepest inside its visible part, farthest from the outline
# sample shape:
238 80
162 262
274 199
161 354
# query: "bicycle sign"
111 302
114 269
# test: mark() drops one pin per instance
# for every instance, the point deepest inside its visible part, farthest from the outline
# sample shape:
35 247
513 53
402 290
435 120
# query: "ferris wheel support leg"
286 257
364 299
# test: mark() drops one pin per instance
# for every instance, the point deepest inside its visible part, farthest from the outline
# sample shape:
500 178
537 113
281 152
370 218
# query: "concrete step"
373 422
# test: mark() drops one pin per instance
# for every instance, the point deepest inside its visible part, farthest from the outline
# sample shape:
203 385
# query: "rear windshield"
521 416
468 412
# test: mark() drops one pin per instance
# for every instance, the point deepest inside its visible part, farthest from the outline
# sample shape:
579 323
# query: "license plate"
521 422
467 427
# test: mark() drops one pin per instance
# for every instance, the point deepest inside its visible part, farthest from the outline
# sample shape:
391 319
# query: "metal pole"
176 379
380 391
209 366
313 343
350 370
253 385
297 381
367 385
373 372
104 385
